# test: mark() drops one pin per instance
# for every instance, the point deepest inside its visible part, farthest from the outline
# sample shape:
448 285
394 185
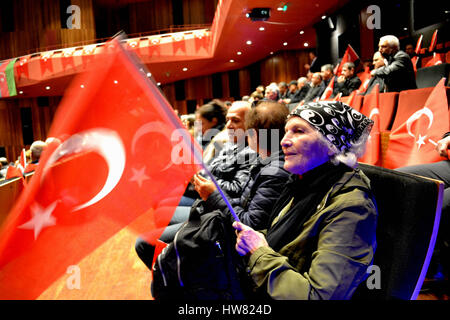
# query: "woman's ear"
214 121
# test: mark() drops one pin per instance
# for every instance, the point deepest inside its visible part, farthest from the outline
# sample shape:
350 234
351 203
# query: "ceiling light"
82 86
20 92
149 74
271 52
324 17
116 82
306 44
249 42
280 9
405 29
47 88
231 60
239 53
302 32
185 69
261 29
158 84
285 43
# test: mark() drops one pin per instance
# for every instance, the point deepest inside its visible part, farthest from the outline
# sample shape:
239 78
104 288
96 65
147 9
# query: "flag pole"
185 134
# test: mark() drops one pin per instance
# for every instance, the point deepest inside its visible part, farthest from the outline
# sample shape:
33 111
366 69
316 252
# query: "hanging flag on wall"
7 81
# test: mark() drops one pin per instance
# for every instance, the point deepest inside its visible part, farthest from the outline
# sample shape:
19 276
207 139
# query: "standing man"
398 73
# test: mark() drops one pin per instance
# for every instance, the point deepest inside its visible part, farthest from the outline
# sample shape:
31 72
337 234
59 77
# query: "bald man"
378 62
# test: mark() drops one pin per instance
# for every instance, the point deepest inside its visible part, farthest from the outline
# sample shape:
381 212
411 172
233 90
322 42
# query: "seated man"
282 90
378 62
398 73
264 123
303 88
327 74
347 82
316 90
272 93
321 237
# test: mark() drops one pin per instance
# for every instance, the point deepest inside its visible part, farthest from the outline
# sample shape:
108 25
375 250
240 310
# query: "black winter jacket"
261 191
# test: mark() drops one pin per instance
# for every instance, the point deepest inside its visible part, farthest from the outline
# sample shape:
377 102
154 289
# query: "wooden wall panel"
151 15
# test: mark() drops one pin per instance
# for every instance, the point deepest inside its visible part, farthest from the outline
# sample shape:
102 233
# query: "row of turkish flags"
413 141
150 47
123 153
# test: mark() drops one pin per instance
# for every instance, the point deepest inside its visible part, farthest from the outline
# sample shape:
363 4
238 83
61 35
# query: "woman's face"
302 146
203 123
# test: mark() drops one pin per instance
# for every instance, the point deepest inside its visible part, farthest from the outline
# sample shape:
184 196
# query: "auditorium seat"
388 105
9 192
406 232
430 76
410 101
357 102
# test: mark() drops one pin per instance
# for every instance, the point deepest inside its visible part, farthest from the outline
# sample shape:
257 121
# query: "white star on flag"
139 176
41 218
420 141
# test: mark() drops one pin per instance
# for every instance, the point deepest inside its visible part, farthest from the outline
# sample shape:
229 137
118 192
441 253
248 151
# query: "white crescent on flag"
105 142
154 126
415 116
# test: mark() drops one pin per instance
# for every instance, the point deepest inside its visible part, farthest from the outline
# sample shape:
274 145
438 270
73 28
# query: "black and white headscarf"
339 123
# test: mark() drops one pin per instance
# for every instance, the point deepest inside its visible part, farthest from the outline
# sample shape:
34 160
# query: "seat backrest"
409 209
430 76
387 108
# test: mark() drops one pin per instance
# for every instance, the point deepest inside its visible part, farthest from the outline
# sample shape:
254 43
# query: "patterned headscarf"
339 123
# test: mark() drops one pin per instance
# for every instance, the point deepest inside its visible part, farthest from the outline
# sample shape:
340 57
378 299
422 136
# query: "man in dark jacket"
378 62
316 89
347 81
267 176
398 73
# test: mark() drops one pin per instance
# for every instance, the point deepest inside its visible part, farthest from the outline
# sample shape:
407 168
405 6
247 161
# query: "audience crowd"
255 175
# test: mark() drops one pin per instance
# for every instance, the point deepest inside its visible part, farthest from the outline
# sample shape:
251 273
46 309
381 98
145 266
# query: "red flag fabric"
350 55
328 91
414 63
338 97
365 75
373 146
123 153
22 162
12 172
433 41
414 141
179 44
419 45
46 63
438 58
22 68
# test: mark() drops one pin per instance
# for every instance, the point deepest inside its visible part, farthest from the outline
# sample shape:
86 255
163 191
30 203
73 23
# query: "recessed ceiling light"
47 88
249 42
231 60
149 74
185 69
261 29
239 53
20 92
405 29
82 86
285 43
271 52
116 82
158 84
306 44
302 32
324 17
280 9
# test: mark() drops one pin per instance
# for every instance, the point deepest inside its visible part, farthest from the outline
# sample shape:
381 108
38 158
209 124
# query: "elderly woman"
321 237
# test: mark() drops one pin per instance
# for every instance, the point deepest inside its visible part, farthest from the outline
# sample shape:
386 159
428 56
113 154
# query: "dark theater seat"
409 210
430 76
